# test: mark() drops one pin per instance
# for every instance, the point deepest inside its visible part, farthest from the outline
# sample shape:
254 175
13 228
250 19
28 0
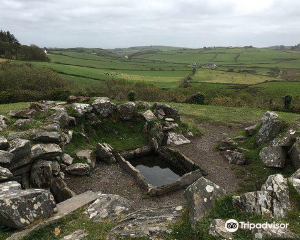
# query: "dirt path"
111 179
203 151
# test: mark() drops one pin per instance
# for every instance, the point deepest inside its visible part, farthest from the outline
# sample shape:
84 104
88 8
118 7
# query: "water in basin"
156 171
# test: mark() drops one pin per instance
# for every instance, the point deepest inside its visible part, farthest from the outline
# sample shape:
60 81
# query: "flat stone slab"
109 206
63 209
77 235
149 223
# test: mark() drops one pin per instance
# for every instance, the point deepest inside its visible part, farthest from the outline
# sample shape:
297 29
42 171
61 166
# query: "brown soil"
111 179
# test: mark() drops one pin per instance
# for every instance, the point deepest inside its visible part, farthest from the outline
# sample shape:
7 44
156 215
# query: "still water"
156 171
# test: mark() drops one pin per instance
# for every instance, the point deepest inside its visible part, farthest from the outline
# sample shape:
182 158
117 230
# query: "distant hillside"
134 50
93 51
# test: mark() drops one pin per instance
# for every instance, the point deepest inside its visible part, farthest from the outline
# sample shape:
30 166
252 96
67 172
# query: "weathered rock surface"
53 127
73 98
77 235
226 144
273 233
235 157
105 153
46 151
88 156
5 174
271 127
271 201
103 106
60 190
250 131
109 206
19 148
81 108
23 123
14 135
23 113
43 136
19 208
149 116
126 110
177 139
5 158
3 143
201 196
78 169
3 124
67 159
217 229
294 154
295 180
41 174
60 117
273 156
169 111
151 223
9 186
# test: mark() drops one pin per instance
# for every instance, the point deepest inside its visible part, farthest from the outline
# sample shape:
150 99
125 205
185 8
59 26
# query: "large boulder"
88 156
147 223
9 186
271 127
78 169
294 154
109 206
176 139
43 136
103 106
60 190
60 117
104 153
169 111
23 113
3 143
5 158
46 151
19 208
201 196
5 174
20 166
273 156
19 148
217 229
81 109
271 201
3 124
126 110
41 174
235 157
149 116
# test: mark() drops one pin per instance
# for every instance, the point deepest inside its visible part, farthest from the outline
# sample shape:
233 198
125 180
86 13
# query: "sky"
125 23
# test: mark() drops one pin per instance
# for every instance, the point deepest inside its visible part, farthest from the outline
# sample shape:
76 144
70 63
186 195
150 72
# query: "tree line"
10 48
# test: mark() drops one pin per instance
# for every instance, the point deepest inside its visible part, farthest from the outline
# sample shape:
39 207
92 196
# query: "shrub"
131 96
287 102
197 98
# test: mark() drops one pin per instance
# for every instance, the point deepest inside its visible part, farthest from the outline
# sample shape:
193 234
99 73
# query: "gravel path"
111 179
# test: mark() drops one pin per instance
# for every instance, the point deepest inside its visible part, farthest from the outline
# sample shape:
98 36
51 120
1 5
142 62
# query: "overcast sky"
123 23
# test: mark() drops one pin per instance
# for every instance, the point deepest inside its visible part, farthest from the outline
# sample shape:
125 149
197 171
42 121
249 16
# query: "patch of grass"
6 108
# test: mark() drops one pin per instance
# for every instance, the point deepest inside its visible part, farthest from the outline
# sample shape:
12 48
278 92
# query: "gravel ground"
111 179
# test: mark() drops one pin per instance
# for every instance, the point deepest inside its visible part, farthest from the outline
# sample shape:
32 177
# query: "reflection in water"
156 170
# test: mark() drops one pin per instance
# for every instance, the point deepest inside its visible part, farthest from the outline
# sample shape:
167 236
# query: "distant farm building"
196 64
126 56
212 65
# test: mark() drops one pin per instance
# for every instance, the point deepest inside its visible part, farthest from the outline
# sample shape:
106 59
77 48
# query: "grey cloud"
118 23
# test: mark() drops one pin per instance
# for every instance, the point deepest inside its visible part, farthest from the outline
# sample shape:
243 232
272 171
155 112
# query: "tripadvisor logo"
232 225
